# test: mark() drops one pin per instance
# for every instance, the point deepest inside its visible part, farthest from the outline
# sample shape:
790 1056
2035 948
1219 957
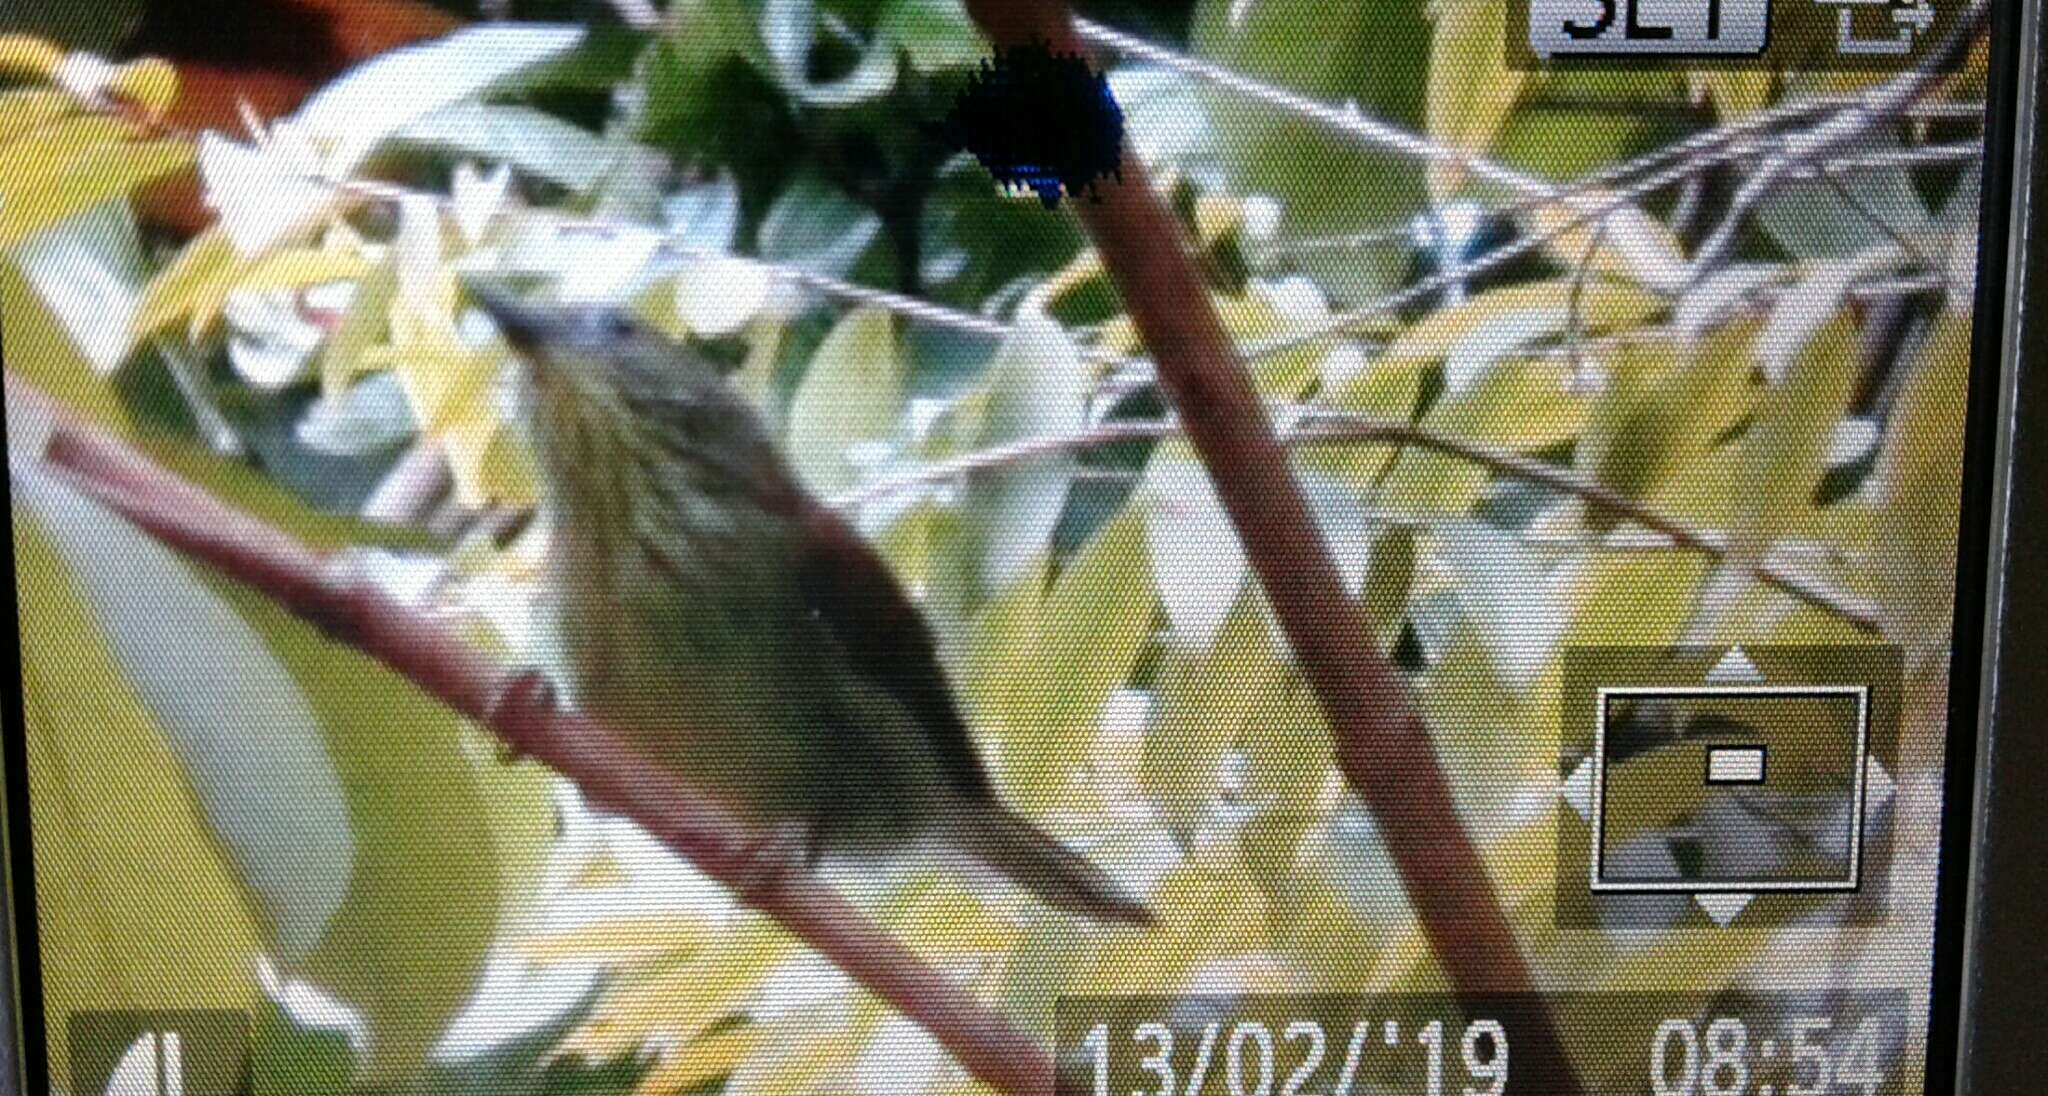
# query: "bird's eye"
617 325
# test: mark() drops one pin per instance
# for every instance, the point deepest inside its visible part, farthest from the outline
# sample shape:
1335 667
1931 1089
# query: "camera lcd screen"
952 546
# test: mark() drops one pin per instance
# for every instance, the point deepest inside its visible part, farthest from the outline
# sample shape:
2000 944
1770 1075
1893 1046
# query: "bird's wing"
849 589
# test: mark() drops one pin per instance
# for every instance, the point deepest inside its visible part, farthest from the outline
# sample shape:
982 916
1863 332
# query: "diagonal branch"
1382 744
320 588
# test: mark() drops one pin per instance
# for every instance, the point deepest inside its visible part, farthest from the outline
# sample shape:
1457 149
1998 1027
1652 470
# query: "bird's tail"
999 839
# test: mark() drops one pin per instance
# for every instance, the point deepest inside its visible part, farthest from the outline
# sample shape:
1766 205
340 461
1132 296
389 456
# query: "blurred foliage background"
229 810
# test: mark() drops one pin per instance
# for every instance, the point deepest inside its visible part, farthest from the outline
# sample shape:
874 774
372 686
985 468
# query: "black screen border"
1997 962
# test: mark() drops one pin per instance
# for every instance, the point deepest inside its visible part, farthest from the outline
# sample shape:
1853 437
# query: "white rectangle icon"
1735 765
1621 28
1859 775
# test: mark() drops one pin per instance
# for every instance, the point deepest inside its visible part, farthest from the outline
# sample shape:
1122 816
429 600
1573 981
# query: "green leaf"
249 746
1374 54
789 30
102 26
1634 598
1737 93
687 68
74 164
1522 405
366 325
1198 563
432 848
39 351
25 109
1514 604
534 142
1385 389
1041 661
1611 115
1496 323
976 241
286 268
1847 213
1920 470
851 395
380 97
1664 407
136 904
1471 88
174 291
88 269
1208 698
1389 578
815 226
1037 387
1785 446
388 895
1486 715
1266 311
934 35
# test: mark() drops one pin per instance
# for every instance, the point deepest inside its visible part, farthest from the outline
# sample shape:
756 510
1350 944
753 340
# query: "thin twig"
670 244
1347 119
321 589
1693 155
1802 148
1699 153
1324 426
190 378
1135 372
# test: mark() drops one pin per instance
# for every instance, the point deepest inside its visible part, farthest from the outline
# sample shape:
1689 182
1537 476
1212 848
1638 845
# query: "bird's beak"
524 326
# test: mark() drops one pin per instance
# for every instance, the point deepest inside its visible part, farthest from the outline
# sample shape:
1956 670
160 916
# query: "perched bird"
737 630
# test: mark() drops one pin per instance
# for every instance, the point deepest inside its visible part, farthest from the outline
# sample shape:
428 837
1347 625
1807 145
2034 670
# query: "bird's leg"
526 696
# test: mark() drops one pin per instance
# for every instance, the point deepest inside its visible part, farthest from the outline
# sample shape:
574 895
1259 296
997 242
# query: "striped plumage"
742 633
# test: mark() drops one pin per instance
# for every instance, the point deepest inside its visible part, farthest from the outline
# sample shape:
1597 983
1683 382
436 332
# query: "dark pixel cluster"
1039 120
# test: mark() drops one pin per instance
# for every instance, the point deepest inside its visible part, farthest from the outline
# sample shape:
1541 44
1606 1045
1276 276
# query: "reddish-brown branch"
1382 744
612 774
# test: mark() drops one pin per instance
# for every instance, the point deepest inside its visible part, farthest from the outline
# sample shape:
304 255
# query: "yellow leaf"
1918 474
26 56
196 285
150 83
290 268
1665 405
1257 317
1736 93
74 163
1386 389
1601 305
24 110
1471 89
1206 699
172 292
1523 405
366 324
1086 636
946 920
699 1063
634 940
682 1000
137 906
488 458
